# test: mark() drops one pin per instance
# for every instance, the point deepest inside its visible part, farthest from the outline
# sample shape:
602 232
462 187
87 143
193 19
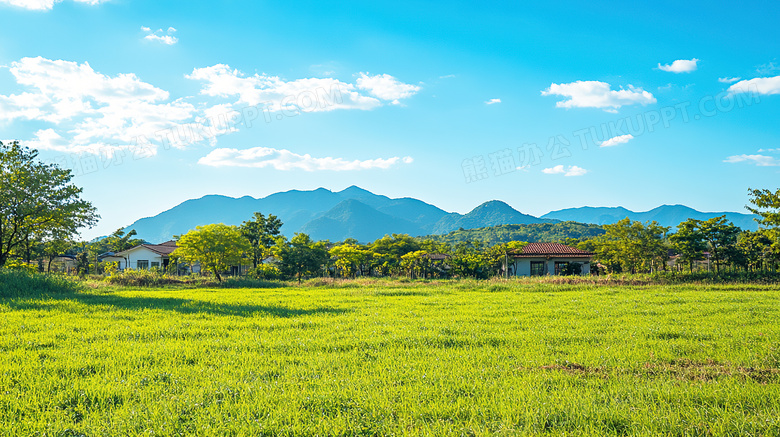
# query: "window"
155 264
561 268
537 268
143 264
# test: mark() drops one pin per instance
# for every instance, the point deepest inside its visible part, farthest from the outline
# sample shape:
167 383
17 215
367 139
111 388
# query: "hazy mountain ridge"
365 216
665 215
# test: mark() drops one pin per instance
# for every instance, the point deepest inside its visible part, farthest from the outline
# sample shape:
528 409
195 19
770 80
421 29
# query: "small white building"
143 257
539 259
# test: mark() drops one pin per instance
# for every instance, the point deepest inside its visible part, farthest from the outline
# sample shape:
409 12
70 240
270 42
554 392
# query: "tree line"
41 211
259 242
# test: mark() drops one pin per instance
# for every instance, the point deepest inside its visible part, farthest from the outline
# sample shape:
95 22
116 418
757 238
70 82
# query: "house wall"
523 265
134 256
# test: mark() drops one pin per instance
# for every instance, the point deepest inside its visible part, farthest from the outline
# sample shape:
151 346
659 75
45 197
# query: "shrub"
142 278
265 271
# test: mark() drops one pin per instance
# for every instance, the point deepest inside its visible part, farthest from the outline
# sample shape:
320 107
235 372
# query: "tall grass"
19 283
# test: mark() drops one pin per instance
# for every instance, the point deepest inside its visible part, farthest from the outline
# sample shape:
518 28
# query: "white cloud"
728 79
84 110
160 36
44 5
493 101
760 85
614 141
680 66
386 87
759 160
595 94
572 170
281 159
88 108
769 150
305 95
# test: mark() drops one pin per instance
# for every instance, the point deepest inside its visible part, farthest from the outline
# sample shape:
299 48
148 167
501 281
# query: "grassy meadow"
381 358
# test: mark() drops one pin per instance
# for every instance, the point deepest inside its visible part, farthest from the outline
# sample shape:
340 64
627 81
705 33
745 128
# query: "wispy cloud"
759 160
44 5
160 36
493 101
760 85
284 160
728 79
614 141
572 170
680 66
767 69
595 94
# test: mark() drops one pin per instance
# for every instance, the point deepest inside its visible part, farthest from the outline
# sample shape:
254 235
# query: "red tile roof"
535 250
161 249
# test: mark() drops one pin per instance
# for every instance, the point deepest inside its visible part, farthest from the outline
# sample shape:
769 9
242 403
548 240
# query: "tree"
351 258
688 242
767 206
300 256
755 249
261 232
119 241
216 247
721 238
37 201
53 248
632 246
388 251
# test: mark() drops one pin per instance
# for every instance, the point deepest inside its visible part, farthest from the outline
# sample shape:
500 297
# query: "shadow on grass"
180 305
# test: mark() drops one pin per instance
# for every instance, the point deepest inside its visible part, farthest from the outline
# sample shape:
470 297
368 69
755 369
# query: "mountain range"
666 215
365 216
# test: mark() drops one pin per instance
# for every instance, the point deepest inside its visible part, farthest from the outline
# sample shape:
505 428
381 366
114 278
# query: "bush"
266 272
142 278
14 264
21 283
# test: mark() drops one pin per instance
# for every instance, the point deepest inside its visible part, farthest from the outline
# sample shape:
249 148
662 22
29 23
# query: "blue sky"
545 107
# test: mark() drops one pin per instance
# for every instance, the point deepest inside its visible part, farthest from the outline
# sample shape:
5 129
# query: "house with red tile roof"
539 259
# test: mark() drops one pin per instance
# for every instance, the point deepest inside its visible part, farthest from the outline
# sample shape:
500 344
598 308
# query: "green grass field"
448 358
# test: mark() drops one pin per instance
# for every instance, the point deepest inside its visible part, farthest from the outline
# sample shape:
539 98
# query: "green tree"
216 247
351 258
300 257
119 241
689 242
755 249
766 205
721 238
469 260
53 248
388 251
261 232
37 201
632 246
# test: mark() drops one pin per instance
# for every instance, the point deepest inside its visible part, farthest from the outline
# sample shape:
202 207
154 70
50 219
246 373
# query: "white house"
142 257
538 259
